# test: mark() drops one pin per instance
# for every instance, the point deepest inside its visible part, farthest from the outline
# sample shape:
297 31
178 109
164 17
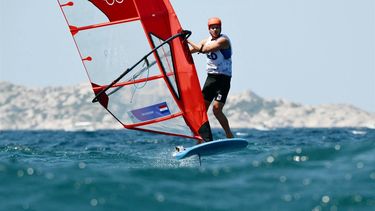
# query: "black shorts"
216 87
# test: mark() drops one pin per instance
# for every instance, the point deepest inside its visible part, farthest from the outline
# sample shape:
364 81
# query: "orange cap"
214 21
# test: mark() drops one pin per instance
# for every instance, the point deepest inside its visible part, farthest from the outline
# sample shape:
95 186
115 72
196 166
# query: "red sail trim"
130 126
74 29
103 99
142 80
68 4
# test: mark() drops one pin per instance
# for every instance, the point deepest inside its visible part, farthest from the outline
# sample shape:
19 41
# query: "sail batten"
130 126
142 80
76 29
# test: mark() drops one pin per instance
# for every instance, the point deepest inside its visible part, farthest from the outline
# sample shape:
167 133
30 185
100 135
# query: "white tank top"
220 61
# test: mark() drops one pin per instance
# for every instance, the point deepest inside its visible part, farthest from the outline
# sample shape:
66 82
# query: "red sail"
140 66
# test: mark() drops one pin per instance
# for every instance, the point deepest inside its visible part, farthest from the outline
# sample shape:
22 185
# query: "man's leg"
218 112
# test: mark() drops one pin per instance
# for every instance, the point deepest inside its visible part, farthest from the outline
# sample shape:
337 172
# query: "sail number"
212 56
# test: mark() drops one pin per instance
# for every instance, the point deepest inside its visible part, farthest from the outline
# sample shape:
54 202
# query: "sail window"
165 56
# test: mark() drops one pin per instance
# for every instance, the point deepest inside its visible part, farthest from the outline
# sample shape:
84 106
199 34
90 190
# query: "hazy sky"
307 51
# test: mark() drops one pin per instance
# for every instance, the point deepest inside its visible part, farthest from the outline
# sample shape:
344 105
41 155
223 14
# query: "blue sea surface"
281 169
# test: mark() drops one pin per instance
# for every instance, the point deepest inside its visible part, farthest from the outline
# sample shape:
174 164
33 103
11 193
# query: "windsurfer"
218 49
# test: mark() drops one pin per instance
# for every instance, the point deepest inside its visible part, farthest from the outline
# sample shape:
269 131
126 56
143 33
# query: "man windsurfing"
218 49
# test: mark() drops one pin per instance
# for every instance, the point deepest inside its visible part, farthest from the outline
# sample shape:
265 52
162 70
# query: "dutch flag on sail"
163 108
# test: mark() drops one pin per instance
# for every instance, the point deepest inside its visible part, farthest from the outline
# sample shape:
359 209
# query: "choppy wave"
283 169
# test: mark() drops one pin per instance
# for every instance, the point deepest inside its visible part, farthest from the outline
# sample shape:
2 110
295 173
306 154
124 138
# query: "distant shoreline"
70 108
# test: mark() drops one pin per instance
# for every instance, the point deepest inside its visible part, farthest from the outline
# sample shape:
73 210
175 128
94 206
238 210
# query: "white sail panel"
83 13
113 49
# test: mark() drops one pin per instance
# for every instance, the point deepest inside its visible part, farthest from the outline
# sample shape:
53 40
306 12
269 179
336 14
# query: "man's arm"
222 43
194 48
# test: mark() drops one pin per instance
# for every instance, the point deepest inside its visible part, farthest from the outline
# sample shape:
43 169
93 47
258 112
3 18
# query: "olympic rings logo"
112 2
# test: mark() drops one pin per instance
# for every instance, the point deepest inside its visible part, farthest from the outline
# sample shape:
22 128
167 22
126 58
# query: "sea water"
281 169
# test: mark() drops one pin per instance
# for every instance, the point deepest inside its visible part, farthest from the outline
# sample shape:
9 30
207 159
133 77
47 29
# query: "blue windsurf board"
211 148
